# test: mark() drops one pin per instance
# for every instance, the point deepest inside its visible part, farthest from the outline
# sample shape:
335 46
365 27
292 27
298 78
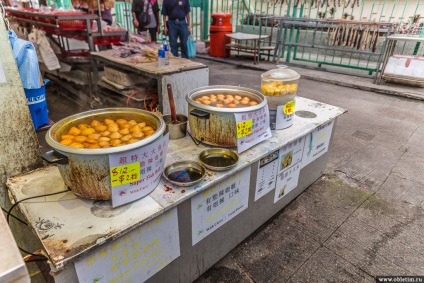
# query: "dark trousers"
178 30
152 32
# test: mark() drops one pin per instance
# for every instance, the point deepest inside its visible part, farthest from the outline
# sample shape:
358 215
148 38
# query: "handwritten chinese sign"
256 128
125 174
317 143
214 207
136 256
135 173
284 116
244 128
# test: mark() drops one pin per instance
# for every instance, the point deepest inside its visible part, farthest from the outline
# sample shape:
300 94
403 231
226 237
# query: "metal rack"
304 40
51 22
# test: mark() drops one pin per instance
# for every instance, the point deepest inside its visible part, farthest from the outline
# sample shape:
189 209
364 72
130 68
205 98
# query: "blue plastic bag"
27 61
191 50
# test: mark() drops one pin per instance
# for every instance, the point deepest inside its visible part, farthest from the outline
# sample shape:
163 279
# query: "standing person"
176 19
152 8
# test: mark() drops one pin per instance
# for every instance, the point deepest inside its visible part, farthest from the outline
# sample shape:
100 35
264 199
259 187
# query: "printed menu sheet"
136 256
267 174
289 168
317 143
252 128
135 173
216 206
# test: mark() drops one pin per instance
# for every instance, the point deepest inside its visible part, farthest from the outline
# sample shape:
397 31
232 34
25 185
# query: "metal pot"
86 171
217 126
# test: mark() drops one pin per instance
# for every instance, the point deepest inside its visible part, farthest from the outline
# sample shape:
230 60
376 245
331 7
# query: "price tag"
125 174
244 128
252 128
289 108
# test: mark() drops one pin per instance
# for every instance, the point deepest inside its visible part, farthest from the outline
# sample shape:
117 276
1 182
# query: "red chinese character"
134 157
123 160
142 164
145 155
150 160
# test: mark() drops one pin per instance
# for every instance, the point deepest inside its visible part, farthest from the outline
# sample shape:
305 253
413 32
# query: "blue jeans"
178 30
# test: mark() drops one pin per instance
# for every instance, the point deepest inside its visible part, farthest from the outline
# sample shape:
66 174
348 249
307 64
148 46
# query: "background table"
256 38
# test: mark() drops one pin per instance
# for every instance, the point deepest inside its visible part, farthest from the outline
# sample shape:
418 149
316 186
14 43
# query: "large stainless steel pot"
217 126
86 171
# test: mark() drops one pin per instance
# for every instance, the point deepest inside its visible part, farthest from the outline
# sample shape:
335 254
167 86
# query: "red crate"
72 24
106 40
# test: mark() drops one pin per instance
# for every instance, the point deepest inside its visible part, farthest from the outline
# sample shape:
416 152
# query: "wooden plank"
176 64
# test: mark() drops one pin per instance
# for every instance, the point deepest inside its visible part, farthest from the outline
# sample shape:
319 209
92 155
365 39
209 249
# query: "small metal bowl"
218 159
184 173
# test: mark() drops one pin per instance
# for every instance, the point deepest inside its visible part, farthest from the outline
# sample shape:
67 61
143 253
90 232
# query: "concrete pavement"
362 219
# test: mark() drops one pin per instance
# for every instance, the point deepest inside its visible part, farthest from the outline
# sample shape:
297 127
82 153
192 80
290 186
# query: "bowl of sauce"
218 159
184 173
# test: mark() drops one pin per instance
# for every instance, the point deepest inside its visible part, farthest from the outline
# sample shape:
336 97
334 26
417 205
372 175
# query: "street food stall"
157 209
137 196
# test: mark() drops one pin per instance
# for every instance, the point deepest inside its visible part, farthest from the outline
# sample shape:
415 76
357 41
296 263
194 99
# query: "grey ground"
363 218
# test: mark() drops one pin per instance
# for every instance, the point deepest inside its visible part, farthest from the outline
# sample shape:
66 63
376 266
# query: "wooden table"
240 36
184 75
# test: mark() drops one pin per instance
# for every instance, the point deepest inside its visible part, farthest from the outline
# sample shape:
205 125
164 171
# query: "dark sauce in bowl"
218 160
185 175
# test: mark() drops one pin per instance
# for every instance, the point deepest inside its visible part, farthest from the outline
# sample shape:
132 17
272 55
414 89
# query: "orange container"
220 26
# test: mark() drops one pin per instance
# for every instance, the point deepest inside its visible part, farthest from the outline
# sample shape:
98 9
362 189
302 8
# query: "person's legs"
183 39
173 37
153 34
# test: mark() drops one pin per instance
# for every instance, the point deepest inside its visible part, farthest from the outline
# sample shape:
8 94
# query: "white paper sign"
291 153
287 181
252 128
214 207
136 256
2 76
284 115
127 183
317 143
267 174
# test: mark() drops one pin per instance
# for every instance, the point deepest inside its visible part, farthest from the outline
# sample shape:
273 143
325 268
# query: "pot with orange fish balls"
211 112
83 142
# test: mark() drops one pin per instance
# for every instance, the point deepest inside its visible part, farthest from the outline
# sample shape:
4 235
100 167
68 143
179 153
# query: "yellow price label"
124 174
288 109
244 128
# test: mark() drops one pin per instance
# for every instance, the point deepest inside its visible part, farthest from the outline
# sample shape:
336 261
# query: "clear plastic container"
279 85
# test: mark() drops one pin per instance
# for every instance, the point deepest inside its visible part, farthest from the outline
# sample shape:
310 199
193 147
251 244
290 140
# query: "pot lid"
282 73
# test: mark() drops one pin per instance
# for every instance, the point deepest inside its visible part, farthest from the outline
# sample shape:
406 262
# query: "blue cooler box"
37 104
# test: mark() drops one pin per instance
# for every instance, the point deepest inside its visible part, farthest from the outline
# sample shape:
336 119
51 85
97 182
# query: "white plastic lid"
282 73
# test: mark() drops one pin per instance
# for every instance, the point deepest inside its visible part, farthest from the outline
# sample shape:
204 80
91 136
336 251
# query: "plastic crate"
107 40
72 24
